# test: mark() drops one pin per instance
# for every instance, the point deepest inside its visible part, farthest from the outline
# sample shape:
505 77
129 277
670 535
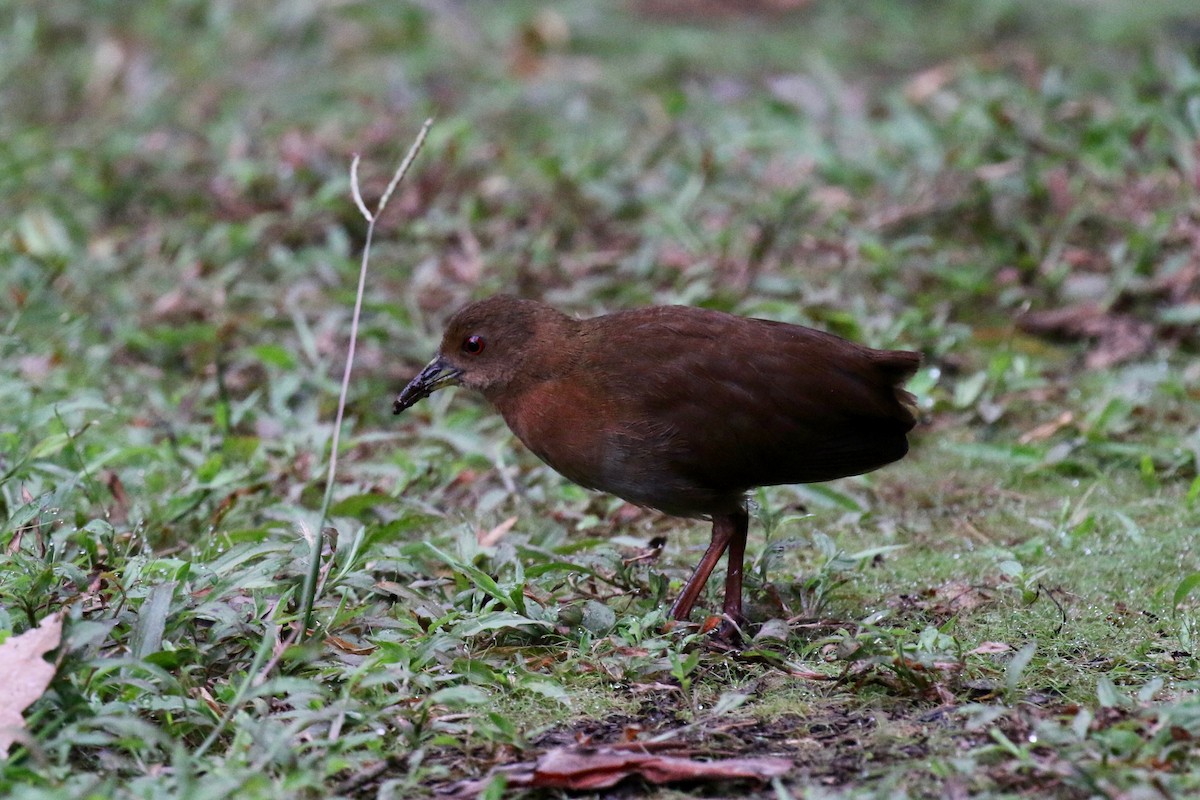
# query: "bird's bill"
437 374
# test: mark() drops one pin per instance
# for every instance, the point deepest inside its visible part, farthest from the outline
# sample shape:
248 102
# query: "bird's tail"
897 366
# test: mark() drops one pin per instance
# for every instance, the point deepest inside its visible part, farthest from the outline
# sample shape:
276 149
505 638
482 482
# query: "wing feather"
788 405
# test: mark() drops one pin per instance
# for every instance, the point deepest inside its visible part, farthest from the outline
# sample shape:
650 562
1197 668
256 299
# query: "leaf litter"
584 767
623 753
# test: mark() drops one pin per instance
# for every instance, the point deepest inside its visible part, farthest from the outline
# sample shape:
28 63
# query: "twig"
314 566
1062 611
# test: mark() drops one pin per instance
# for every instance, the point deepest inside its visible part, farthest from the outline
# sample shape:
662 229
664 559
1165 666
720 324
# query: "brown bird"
680 409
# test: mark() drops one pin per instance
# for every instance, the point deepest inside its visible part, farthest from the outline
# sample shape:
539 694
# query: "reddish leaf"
583 768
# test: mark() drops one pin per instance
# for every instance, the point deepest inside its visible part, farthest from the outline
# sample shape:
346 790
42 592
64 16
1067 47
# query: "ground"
1009 188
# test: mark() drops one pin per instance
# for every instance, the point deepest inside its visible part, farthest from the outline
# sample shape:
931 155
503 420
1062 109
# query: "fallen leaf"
207 698
492 537
599 768
653 687
391 587
1046 429
118 512
25 674
14 544
987 648
926 84
947 600
1118 337
944 694
349 647
959 596
586 768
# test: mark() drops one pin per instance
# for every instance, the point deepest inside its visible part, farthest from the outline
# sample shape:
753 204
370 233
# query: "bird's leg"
739 522
724 530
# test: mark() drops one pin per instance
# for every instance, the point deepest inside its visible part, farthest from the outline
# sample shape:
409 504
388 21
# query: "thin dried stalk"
312 580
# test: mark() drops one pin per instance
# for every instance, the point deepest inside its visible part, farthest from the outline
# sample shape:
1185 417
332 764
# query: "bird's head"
492 346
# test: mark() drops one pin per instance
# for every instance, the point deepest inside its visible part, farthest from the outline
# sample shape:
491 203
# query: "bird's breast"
565 426
586 435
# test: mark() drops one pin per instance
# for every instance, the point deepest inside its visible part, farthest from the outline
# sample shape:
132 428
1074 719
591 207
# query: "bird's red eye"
473 345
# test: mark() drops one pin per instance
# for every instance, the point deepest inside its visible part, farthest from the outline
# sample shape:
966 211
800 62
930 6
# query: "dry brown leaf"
207 698
1118 337
391 587
1126 340
652 687
118 512
963 596
988 648
588 768
964 525
955 597
493 537
944 695
14 544
1072 322
1047 429
926 84
25 674
583 768
349 647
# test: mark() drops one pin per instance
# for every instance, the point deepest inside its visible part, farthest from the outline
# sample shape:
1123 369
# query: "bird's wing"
751 402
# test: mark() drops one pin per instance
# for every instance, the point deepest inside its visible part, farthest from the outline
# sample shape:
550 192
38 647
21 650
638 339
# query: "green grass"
1008 612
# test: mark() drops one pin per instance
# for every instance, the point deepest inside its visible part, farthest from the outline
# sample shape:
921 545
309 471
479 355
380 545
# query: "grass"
1011 611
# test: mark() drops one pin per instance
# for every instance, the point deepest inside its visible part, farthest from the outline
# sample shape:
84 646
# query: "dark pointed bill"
437 374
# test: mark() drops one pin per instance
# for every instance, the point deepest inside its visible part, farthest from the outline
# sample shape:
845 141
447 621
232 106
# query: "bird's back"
717 404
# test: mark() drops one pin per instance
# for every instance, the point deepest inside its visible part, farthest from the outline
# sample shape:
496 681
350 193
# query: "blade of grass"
152 620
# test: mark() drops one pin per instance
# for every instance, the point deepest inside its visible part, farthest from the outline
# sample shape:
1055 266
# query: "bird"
681 409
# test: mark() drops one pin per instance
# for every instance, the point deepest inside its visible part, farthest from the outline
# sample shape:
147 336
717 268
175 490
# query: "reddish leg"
732 608
729 532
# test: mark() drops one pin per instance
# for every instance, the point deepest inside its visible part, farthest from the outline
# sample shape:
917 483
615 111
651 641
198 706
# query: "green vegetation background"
1009 187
